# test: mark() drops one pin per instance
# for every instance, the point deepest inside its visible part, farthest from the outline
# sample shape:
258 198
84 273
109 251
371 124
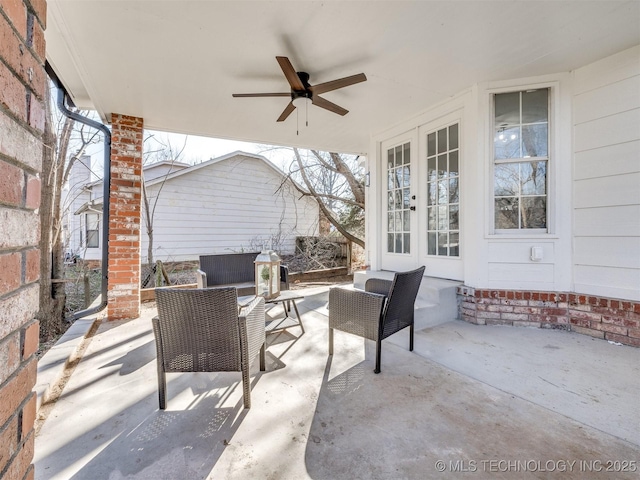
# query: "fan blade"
290 73
336 84
326 104
287 111
242 95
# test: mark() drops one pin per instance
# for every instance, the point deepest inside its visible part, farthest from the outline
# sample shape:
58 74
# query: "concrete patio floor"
472 401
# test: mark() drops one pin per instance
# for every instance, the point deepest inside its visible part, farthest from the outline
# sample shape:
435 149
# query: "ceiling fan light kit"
302 93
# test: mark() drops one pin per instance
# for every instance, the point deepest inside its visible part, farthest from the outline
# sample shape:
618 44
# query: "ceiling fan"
302 92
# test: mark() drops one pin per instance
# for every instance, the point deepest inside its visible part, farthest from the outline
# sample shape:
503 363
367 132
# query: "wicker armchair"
384 308
200 330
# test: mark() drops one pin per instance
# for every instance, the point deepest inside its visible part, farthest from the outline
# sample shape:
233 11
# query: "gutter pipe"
106 183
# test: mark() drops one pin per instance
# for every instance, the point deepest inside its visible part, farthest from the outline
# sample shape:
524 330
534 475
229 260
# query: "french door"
420 205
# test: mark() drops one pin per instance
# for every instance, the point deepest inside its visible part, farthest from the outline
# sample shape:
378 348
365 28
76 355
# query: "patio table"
286 298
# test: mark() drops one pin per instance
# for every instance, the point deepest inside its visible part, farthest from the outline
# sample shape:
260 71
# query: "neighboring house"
233 203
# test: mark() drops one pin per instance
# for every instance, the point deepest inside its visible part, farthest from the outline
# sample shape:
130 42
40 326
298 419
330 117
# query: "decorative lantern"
267 274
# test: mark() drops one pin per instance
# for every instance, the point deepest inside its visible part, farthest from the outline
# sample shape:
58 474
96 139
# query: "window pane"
453 163
390 242
407 176
390 179
535 106
431 144
453 190
398 243
443 222
405 197
432 194
398 172
506 213
390 201
92 239
443 242
534 212
507 143
406 223
431 218
454 244
453 217
390 222
431 169
407 155
507 109
453 136
534 140
431 243
442 140
390 158
442 166
398 204
398 216
407 243
506 180
534 178
398 156
442 192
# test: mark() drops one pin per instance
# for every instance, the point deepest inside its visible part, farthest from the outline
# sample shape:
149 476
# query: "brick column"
124 217
22 93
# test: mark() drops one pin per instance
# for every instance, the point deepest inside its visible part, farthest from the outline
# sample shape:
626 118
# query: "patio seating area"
498 402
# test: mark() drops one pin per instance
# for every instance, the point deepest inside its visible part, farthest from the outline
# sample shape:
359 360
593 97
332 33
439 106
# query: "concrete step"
436 302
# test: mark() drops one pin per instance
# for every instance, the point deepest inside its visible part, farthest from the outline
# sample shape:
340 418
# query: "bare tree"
61 136
335 182
156 150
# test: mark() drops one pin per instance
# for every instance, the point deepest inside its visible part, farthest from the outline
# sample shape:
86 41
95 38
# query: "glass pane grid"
521 132
443 192
398 194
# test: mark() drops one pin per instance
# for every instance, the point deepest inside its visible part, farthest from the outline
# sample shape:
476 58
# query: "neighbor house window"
521 159
92 222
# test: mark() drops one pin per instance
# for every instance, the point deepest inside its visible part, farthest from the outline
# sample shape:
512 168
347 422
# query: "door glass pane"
431 218
398 198
431 243
453 163
406 154
431 144
454 244
407 243
442 140
453 137
453 217
443 243
443 195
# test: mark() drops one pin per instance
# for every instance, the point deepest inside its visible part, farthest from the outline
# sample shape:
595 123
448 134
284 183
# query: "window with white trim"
521 160
92 230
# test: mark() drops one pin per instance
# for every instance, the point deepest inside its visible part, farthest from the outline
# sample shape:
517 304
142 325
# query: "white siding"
606 198
228 206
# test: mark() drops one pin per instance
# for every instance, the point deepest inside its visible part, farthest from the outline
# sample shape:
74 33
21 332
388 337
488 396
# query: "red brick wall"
22 93
124 217
600 317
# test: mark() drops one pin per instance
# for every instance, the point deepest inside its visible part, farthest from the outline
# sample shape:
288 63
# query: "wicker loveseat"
233 270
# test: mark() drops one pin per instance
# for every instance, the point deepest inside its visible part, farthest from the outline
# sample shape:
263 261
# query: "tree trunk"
52 295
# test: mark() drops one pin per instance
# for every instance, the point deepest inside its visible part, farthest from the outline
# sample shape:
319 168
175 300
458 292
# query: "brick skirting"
599 317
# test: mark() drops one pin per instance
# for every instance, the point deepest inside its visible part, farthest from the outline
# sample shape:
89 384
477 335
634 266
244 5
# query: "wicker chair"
200 330
384 308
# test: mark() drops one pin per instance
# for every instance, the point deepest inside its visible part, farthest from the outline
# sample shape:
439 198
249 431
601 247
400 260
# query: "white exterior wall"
223 208
593 240
606 199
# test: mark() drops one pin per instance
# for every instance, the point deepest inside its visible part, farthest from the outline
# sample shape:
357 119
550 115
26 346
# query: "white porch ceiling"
176 63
